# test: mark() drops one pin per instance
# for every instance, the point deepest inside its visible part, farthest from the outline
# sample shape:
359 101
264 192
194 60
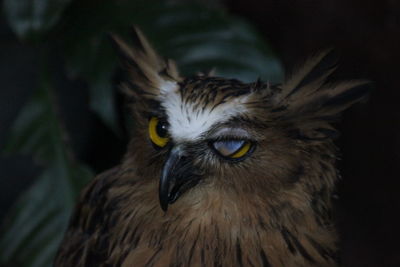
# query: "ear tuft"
147 72
347 97
307 94
311 75
311 103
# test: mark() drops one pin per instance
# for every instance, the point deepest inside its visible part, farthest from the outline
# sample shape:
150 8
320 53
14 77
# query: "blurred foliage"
34 225
198 38
31 19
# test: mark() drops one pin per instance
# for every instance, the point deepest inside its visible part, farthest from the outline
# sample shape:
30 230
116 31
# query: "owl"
218 172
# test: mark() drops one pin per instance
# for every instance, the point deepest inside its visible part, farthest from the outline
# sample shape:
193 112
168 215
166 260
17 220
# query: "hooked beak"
178 176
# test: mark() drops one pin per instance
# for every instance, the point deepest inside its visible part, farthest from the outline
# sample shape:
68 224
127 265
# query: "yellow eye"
233 149
158 132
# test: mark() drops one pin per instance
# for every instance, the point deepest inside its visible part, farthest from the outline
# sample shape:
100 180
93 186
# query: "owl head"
202 135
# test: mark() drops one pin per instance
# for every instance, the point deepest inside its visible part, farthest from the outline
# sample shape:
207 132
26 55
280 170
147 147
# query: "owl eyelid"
230 156
230 133
228 138
158 116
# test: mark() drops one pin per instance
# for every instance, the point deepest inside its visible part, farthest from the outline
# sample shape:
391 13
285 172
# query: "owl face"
209 132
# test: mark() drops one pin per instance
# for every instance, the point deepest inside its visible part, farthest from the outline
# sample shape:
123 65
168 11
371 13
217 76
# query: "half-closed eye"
232 149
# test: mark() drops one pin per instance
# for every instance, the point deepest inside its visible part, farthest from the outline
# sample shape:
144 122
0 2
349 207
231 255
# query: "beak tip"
164 207
163 204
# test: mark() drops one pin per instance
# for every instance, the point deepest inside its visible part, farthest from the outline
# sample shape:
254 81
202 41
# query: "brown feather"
270 209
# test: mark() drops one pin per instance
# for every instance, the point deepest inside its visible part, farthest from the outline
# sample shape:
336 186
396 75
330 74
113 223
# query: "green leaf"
30 19
32 128
195 36
102 100
35 226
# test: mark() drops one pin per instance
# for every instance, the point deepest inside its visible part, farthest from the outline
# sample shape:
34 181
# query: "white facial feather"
167 87
189 122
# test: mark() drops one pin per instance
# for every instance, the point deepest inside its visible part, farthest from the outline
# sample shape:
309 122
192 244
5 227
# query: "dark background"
367 36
